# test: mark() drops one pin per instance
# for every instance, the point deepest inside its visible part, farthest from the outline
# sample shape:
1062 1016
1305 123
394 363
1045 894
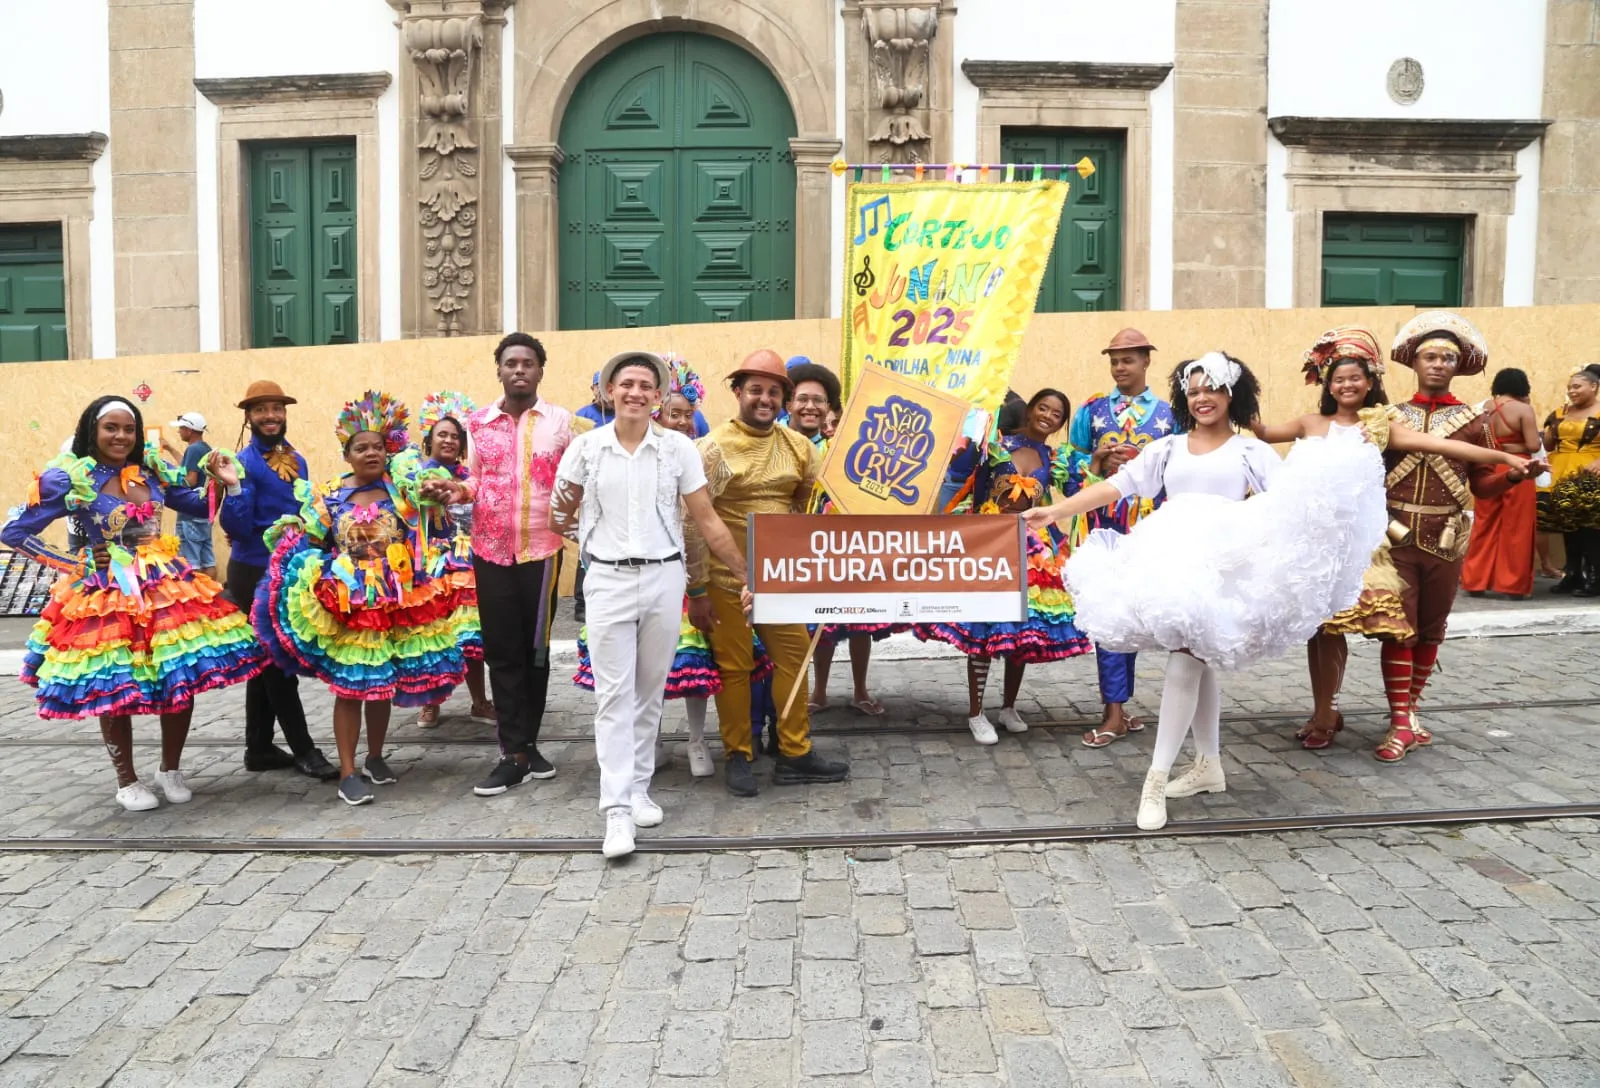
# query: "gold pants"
734 651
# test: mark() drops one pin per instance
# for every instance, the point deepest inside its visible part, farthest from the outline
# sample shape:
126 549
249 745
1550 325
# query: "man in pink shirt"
516 446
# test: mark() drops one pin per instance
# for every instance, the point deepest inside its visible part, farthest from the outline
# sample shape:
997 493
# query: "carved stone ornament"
1405 81
445 51
900 37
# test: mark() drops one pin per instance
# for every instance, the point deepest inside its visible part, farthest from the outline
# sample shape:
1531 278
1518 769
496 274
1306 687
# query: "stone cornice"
250 90
70 147
1387 135
1030 75
535 155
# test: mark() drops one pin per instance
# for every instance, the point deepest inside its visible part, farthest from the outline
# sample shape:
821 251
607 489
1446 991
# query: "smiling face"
1208 406
677 414
520 372
268 419
446 443
1129 369
1045 417
116 436
760 400
1349 385
633 390
808 408
366 457
1581 389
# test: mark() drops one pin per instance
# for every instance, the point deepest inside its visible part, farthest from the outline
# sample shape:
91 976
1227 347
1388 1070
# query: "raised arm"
1279 432
1406 440
1092 497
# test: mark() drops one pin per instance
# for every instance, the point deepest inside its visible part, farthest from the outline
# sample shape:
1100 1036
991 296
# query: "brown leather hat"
764 364
1128 340
261 390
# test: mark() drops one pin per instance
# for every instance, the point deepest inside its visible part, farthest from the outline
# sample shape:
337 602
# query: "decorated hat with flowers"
445 404
376 412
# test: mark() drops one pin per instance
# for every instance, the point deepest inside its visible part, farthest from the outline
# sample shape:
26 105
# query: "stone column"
450 159
154 227
813 214
900 79
1219 206
537 168
1567 264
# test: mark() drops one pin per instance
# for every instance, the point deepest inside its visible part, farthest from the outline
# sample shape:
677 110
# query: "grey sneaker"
378 771
353 791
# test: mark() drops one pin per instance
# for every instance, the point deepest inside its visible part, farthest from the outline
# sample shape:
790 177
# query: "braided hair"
86 439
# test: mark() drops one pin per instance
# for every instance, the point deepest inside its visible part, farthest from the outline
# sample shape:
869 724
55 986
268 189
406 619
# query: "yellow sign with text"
888 454
940 280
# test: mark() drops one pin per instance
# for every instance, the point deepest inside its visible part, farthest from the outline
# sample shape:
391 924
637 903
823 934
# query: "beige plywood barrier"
1061 350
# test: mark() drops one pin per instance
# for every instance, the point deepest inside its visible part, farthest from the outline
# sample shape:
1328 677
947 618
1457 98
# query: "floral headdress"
445 403
376 412
1339 345
682 380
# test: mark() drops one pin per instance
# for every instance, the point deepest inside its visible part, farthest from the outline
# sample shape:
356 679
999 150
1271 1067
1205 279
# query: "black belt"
673 558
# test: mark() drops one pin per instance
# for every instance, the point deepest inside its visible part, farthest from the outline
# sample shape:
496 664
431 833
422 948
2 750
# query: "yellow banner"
940 280
890 450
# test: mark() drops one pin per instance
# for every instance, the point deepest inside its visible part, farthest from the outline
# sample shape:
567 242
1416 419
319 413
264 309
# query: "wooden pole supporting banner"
800 680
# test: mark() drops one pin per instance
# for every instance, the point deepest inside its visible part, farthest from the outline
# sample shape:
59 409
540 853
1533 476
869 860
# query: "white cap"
192 420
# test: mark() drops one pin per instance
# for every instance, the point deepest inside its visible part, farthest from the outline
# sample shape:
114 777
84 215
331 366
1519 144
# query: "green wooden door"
303 244
677 193
1390 260
1085 270
33 295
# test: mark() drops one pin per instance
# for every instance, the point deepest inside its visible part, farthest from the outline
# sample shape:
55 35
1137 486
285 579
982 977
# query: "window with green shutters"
303 244
33 296
1391 260
1085 270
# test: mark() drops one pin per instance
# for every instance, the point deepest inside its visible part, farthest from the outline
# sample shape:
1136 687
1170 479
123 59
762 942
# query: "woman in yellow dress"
1572 508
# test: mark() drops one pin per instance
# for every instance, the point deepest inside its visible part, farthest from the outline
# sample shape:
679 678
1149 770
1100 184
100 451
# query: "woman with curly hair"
1222 582
1572 507
131 627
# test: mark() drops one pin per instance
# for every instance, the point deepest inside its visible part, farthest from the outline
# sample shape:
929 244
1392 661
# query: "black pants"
1583 554
515 607
273 695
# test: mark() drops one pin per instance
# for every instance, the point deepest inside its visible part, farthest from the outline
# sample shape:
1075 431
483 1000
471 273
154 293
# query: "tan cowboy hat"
261 391
764 364
645 358
1129 339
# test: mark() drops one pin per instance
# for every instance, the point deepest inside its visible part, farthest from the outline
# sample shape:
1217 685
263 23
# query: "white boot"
1153 802
1204 777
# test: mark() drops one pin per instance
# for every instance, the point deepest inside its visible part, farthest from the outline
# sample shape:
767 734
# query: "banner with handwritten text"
941 277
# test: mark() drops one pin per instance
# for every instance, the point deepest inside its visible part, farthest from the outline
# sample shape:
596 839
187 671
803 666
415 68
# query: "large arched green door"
677 193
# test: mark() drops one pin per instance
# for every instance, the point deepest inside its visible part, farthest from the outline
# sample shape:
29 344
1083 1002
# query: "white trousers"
633 615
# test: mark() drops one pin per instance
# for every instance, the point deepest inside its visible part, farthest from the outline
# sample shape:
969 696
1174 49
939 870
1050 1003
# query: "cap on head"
194 421
262 391
1129 339
608 373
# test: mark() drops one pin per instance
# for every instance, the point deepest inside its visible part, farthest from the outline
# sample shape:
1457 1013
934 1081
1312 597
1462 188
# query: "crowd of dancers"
1168 525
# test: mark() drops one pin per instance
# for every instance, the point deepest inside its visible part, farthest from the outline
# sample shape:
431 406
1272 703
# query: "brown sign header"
896 554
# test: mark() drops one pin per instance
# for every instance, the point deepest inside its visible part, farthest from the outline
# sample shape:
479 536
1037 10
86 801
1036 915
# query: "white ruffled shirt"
1241 465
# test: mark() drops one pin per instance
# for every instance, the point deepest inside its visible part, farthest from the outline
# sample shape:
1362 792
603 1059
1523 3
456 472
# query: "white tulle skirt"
1237 582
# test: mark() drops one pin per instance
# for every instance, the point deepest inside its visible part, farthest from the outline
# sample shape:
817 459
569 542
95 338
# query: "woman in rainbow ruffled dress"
131 628
354 594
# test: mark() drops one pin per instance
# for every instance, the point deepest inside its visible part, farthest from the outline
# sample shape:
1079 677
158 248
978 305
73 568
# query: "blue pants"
1116 675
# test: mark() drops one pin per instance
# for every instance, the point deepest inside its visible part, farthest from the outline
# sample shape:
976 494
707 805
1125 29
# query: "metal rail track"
683 844
410 736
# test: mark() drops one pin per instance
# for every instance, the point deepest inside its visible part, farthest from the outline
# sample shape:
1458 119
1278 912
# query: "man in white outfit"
617 494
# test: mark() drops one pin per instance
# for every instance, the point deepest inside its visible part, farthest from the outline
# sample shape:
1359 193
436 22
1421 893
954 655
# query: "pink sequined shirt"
512 466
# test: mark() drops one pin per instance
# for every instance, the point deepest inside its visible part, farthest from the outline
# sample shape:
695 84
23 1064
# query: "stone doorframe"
1404 167
1060 94
50 179
315 107
559 41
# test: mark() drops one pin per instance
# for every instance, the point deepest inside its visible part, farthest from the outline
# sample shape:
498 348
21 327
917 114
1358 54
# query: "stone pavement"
918 771
1351 958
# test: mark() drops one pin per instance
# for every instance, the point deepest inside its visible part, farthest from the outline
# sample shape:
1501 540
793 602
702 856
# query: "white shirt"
1240 465
630 507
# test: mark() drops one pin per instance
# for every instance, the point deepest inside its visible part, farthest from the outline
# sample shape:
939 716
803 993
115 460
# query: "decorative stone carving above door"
900 79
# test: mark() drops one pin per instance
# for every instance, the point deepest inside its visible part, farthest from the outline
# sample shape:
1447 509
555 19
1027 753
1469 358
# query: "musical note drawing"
864 279
874 206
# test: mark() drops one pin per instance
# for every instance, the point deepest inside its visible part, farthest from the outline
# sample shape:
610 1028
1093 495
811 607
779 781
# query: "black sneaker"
539 766
353 791
270 758
741 782
378 771
797 770
1569 583
315 765
507 773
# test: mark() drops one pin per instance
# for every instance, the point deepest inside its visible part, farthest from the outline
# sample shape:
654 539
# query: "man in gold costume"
754 466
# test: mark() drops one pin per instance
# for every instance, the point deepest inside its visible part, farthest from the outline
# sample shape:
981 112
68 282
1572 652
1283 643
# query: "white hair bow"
1221 372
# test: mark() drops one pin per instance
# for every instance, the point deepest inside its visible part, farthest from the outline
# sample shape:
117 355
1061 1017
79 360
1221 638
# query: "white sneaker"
136 797
619 833
1204 777
699 754
646 813
1012 720
173 787
982 731
1153 802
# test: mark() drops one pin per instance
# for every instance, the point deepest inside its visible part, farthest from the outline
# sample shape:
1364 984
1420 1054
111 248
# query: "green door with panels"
1085 270
677 192
303 244
33 296
1390 260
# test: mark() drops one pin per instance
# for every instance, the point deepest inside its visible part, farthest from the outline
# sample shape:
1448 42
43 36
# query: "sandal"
1135 725
1100 737
870 707
1314 738
1396 744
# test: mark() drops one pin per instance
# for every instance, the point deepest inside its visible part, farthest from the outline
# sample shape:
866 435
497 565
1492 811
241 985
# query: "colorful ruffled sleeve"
63 487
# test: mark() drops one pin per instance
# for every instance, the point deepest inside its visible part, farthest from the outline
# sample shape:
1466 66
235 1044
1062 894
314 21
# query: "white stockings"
1189 700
